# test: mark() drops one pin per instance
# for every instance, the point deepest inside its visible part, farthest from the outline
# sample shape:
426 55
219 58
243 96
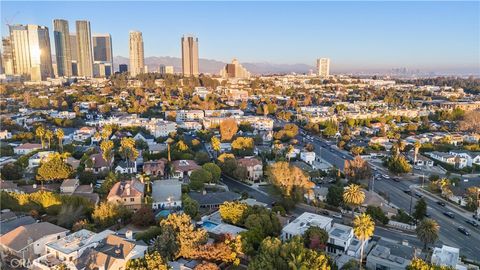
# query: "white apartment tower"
323 67
190 56
137 61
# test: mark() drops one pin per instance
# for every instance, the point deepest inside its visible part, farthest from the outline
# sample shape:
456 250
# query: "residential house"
11 223
166 194
83 134
149 139
112 253
447 256
339 238
183 168
28 241
456 160
98 164
26 148
125 167
69 186
308 157
470 157
155 167
157 148
5 135
303 222
390 255
70 248
421 161
213 200
129 193
254 167
42 156
9 186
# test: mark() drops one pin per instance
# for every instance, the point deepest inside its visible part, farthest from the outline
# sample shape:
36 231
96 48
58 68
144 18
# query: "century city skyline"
356 36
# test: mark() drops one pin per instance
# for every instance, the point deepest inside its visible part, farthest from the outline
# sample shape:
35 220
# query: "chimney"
204 192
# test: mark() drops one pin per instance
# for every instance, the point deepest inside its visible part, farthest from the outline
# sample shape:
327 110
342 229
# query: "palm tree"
297 262
290 151
427 231
417 146
40 132
354 196
60 134
49 137
363 227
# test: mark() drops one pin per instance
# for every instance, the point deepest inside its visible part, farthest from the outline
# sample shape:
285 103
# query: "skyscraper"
32 55
323 67
63 53
102 55
136 53
234 70
73 51
189 56
7 56
123 68
84 49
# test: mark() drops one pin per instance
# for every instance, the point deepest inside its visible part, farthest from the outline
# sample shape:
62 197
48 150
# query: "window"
381 267
132 199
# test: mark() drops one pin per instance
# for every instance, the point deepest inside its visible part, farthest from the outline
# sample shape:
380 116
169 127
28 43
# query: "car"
472 222
441 203
418 195
408 191
476 217
463 230
427 215
386 176
449 214
337 215
396 179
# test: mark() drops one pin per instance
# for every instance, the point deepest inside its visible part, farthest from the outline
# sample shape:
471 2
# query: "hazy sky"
354 35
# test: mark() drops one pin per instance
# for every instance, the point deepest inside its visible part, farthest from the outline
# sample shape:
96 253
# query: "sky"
356 36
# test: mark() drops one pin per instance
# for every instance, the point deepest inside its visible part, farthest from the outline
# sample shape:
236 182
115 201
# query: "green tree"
334 195
201 157
128 150
315 238
54 168
398 164
419 264
377 214
107 214
190 206
214 169
353 195
427 231
11 171
420 210
199 177
289 178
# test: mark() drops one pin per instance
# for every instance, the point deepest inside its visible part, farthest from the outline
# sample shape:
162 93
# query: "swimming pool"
208 225
164 213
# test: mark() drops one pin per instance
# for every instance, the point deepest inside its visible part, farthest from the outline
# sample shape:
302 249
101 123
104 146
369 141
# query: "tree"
419 264
334 195
49 137
377 214
288 178
151 261
54 168
181 146
420 210
470 122
417 145
11 171
228 129
107 214
472 196
202 157
353 195
216 144
357 169
190 206
127 149
315 238
398 164
206 266
351 265
166 243
40 133
214 170
356 150
110 180
233 212
274 254
60 135
187 237
143 217
363 227
199 177
107 150
427 231
227 250
243 146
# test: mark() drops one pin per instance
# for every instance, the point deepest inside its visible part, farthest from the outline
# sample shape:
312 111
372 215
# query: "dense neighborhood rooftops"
214 198
132 188
22 236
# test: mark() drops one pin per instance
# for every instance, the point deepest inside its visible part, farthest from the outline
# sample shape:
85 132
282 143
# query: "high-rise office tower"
189 56
63 52
102 55
323 67
122 68
7 56
234 70
73 51
84 49
32 54
137 63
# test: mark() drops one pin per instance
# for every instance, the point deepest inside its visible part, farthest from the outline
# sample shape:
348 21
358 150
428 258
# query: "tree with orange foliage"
289 178
228 129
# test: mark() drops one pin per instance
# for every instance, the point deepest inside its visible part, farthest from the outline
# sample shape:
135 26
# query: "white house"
83 134
35 160
339 238
26 148
69 186
149 139
447 256
307 157
28 241
303 222
5 135
455 160
470 157
166 194
126 167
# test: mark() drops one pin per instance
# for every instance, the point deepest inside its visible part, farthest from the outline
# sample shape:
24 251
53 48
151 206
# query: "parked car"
463 230
449 214
472 222
441 203
408 191
337 215
386 176
418 195
427 215
396 179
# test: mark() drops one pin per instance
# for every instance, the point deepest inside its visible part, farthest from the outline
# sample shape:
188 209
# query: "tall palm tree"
49 137
60 135
354 196
40 132
427 231
417 146
363 227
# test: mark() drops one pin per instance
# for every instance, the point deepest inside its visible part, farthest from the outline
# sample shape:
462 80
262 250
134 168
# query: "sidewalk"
449 205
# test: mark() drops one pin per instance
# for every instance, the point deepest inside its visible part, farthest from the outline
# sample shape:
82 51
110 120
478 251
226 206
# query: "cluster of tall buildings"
234 70
27 51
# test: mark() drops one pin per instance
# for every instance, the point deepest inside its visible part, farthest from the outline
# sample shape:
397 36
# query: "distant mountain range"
214 66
